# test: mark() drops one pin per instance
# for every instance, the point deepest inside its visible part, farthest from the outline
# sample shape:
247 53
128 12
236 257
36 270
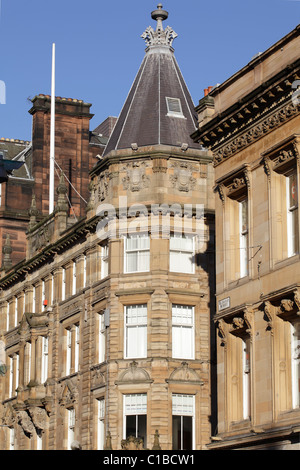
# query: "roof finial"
160 36
159 15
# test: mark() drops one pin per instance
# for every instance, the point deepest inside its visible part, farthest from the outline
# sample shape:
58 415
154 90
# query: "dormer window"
174 107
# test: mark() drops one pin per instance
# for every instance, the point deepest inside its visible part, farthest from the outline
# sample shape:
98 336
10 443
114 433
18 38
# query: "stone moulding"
256 132
252 117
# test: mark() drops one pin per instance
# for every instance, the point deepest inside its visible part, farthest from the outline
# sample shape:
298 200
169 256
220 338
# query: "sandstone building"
105 324
251 124
75 154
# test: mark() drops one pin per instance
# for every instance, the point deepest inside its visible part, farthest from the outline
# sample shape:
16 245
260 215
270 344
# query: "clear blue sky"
99 49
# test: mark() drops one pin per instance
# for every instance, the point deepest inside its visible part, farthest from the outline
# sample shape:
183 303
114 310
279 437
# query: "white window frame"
28 350
52 289
140 333
84 270
17 369
292 217
74 287
184 405
104 260
181 252
140 252
244 239
77 347
68 350
246 377
63 287
45 357
100 423
101 338
171 112
24 302
43 294
180 341
11 376
33 298
16 312
14 374
12 442
134 404
7 316
295 364
39 441
71 426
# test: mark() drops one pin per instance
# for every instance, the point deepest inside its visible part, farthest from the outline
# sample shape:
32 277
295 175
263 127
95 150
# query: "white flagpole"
52 136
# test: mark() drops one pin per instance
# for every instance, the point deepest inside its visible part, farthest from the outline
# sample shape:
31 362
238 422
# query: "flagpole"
52 135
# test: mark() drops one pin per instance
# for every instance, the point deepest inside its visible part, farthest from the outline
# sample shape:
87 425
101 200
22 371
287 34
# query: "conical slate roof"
159 109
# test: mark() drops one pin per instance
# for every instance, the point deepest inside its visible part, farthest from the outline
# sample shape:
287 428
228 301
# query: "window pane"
131 426
136 331
136 341
131 262
137 253
176 432
243 228
292 214
183 331
182 404
181 254
142 428
187 432
293 192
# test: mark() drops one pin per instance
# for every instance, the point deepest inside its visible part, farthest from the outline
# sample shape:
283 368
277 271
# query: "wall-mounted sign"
224 303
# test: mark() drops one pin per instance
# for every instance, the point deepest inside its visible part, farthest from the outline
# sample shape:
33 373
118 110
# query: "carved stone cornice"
249 119
263 127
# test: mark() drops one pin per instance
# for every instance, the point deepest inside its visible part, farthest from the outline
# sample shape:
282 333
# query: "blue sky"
99 49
